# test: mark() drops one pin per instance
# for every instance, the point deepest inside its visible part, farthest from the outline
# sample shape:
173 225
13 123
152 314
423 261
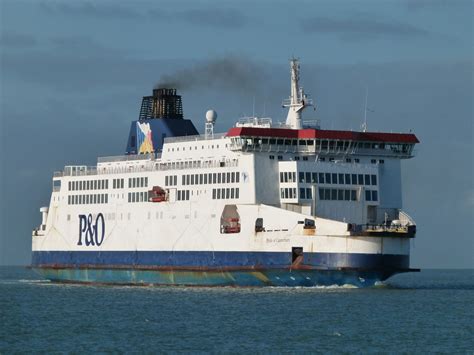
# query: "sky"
72 75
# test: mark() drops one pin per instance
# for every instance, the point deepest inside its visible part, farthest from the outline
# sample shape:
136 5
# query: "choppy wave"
34 281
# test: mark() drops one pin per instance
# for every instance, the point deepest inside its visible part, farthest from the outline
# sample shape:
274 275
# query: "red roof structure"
323 134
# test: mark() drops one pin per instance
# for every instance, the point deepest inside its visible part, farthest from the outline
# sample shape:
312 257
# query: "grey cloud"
80 63
212 17
17 40
84 46
219 18
90 9
360 27
418 5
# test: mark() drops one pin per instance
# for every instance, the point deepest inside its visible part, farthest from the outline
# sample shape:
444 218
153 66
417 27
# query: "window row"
337 194
225 193
288 193
195 148
87 199
88 185
182 195
374 161
258 142
117 183
371 195
138 196
171 180
210 178
195 164
138 182
288 176
335 178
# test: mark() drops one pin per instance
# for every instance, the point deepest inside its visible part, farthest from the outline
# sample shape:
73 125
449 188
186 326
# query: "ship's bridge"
318 141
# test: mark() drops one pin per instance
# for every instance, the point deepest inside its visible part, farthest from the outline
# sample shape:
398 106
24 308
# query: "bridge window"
341 179
340 195
354 179
374 196
321 178
374 179
328 178
368 195
367 179
353 195
347 178
302 193
327 194
321 194
347 195
292 176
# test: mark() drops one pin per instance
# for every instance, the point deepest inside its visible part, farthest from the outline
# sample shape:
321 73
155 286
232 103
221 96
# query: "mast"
298 100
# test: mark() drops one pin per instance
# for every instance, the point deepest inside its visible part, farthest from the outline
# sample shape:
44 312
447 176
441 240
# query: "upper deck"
318 141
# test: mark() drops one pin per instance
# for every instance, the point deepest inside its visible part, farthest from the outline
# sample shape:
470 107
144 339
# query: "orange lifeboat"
157 194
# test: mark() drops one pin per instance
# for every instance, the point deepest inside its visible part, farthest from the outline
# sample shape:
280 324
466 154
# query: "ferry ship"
263 204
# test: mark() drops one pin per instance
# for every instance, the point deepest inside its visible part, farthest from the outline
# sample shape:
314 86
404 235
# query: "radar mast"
298 100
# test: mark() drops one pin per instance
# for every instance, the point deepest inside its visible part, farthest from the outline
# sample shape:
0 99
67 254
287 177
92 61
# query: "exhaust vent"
164 103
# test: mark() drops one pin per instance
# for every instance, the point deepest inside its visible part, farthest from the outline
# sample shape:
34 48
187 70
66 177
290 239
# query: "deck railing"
199 137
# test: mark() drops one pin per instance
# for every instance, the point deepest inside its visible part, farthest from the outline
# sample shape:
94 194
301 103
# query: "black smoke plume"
230 73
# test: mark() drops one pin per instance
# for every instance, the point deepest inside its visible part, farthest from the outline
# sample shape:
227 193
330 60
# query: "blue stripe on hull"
216 260
275 277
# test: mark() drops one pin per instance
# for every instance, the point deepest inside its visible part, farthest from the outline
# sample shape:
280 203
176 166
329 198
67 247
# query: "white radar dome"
211 116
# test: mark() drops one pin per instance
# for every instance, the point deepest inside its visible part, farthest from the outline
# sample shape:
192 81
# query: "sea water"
431 311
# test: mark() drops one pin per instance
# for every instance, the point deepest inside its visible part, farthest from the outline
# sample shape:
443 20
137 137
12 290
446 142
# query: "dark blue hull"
244 278
218 268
